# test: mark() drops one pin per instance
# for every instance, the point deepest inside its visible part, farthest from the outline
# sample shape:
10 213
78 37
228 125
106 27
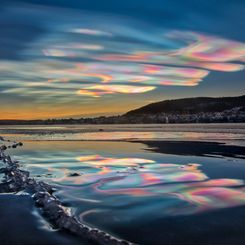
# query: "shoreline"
21 223
200 132
181 148
16 180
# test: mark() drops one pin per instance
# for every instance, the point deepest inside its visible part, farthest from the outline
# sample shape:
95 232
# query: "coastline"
22 224
228 134
168 147
17 180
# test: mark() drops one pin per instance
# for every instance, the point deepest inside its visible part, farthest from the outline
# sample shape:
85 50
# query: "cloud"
208 48
99 90
65 53
90 32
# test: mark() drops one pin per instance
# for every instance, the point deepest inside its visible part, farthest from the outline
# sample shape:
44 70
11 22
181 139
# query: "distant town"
190 110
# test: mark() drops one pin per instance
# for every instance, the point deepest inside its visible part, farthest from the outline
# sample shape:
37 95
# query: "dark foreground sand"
19 226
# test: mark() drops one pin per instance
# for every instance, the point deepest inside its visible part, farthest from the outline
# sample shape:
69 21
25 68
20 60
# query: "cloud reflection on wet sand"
142 178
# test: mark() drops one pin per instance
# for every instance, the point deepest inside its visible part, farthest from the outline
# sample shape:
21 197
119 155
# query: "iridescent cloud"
174 59
83 55
90 32
208 48
57 53
99 90
204 51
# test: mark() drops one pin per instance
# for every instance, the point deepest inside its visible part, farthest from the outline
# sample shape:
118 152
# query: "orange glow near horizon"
59 111
89 65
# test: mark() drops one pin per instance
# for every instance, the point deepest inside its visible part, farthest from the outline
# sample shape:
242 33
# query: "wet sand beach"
21 223
173 187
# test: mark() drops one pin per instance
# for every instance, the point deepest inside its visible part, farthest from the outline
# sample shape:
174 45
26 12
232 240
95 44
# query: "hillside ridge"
190 105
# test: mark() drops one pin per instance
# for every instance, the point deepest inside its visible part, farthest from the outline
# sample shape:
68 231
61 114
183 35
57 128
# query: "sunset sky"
71 58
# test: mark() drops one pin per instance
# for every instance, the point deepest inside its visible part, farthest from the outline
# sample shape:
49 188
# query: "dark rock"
74 174
3 147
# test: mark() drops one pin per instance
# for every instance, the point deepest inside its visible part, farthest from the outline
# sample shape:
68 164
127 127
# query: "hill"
189 110
191 106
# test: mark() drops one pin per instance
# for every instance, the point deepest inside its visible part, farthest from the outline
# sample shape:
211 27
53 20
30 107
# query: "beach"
178 184
22 224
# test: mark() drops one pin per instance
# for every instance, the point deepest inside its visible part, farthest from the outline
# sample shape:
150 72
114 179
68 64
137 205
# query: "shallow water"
147 194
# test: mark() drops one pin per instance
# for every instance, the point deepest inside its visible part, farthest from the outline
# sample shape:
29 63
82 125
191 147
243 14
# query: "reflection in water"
116 186
207 198
136 177
102 161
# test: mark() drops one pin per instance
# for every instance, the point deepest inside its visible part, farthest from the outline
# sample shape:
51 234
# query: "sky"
79 58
